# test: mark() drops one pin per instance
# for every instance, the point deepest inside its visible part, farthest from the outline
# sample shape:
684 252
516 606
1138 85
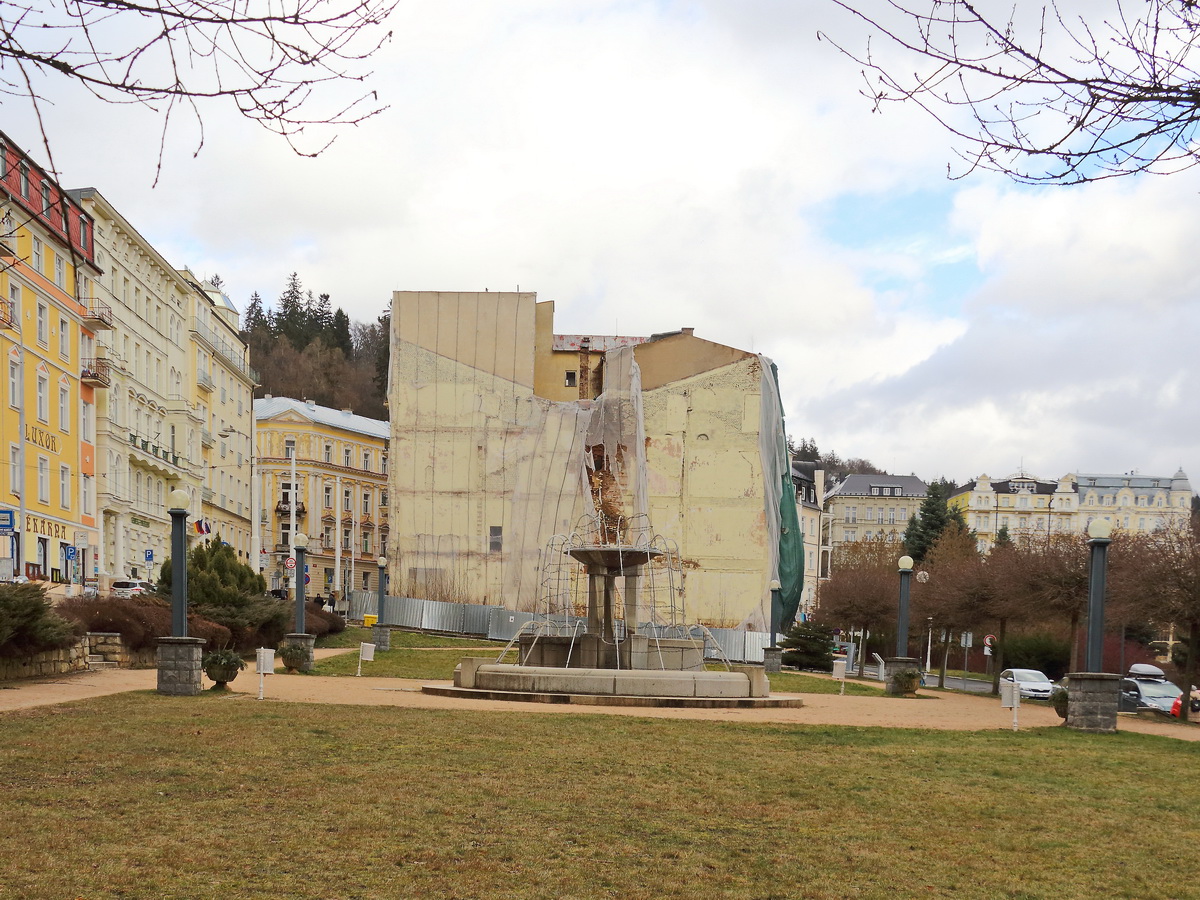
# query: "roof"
270 407
861 485
1178 482
1011 485
598 343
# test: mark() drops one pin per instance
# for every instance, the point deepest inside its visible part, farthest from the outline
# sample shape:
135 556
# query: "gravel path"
939 710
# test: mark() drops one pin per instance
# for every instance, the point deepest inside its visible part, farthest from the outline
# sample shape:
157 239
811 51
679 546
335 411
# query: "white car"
126 589
1032 684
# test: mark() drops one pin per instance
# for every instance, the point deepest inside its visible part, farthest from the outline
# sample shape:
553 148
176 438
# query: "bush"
140 621
27 624
809 646
317 621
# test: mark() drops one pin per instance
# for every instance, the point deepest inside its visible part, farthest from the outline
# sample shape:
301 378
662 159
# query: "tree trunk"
945 657
1189 675
998 657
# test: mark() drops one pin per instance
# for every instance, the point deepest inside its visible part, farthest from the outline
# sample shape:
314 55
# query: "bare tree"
863 591
1171 580
1061 92
269 57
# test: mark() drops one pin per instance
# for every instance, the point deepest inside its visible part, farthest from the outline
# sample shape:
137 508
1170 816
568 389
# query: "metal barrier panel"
732 642
361 603
408 613
756 642
477 618
503 624
439 615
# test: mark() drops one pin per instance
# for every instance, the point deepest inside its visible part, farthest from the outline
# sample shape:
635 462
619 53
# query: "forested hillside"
303 348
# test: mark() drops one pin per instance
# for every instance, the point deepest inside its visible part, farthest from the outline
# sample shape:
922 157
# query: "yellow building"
324 473
497 423
1028 506
868 508
48 338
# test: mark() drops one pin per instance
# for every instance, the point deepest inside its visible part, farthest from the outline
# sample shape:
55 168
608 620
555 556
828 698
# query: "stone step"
99 662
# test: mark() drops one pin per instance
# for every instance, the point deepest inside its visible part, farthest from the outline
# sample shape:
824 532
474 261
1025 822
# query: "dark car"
1145 687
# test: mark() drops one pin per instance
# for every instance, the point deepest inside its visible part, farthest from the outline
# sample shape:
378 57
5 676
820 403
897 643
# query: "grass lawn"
141 795
413 655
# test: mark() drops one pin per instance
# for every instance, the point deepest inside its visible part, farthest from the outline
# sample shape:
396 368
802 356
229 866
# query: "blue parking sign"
71 553
149 556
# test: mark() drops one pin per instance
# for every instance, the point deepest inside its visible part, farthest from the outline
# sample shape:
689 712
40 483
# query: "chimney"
687 331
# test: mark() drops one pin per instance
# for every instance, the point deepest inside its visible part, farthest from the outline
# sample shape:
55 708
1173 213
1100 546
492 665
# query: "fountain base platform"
482 678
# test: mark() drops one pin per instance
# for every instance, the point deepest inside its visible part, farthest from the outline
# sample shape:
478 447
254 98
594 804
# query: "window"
851 513
43 325
366 504
495 538
346 458
289 448
43 397
383 500
851 534
88 425
14 469
327 538
879 515
345 538
45 198
3 161
85 496
383 468
366 460
83 233
328 497
14 381
571 379
64 408
24 179
875 491
329 453
64 487
60 270
891 515
897 492
64 338
366 543
43 480
285 534
39 257
346 500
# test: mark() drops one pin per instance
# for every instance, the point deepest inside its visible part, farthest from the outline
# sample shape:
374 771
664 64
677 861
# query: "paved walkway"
939 710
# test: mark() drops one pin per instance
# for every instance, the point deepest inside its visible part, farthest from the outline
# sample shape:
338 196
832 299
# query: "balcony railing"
97 315
206 437
95 372
205 381
8 318
284 508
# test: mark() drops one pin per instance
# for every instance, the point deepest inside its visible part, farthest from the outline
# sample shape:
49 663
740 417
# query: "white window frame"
43 479
64 486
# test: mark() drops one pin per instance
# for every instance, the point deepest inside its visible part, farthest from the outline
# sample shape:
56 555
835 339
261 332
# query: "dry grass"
140 795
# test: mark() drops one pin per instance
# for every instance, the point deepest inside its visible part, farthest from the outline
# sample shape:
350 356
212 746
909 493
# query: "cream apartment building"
869 508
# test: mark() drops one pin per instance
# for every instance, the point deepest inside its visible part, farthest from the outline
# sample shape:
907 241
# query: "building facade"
1028 506
868 508
48 326
324 473
501 430
810 489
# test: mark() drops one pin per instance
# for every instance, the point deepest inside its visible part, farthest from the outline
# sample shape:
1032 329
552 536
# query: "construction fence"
500 624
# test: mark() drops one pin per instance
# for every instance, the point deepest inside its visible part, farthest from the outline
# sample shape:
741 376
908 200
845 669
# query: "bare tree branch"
1049 95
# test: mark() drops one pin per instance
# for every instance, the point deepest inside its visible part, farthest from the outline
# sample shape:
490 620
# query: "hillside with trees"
304 348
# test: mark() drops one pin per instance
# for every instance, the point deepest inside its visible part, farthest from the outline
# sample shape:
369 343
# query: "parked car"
1032 684
1146 687
126 589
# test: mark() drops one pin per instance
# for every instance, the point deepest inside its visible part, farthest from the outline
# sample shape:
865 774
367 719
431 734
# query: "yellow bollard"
368 621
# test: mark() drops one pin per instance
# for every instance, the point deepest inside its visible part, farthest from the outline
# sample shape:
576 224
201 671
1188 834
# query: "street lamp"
177 506
1100 536
906 565
382 580
776 609
299 545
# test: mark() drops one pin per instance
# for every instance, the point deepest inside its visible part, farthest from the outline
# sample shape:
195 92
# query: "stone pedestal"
894 664
1092 701
381 635
179 665
772 658
306 641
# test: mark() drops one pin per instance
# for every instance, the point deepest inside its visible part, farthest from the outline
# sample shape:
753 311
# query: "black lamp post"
1100 536
906 565
382 589
776 610
177 506
300 545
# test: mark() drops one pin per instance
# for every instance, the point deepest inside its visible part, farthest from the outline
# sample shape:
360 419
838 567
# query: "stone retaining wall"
75 658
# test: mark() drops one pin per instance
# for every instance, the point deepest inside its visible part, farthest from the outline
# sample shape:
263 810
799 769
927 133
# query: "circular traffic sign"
290 562
307 579
989 641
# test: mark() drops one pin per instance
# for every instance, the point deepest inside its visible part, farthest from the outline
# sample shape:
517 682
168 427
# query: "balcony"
205 381
95 372
206 438
284 508
97 315
206 494
7 318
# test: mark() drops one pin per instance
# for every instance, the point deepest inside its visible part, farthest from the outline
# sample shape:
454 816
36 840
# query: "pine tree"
931 520
340 337
290 319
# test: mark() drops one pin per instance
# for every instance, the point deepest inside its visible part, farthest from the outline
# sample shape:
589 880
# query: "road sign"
967 640
8 522
989 641
307 578
149 556
290 562
71 553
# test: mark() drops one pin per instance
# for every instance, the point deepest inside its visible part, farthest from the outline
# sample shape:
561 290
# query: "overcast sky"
655 165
